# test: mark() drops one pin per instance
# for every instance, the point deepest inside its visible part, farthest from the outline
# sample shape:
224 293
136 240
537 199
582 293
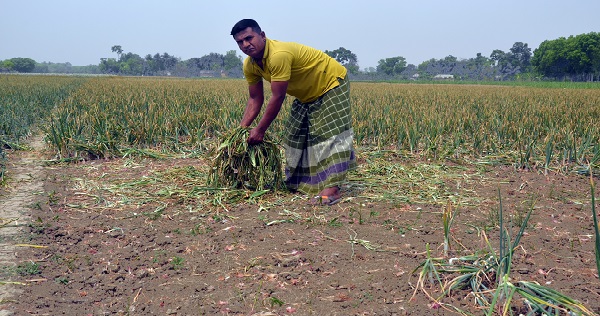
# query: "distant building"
208 74
443 77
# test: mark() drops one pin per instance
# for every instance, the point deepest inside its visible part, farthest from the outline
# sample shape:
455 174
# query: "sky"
82 32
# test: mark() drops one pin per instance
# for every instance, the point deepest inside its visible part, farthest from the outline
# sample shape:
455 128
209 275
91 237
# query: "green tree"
159 64
520 55
131 64
7 65
150 65
169 61
345 57
48 67
23 64
513 62
231 60
212 61
480 61
117 49
498 57
391 66
109 66
449 62
576 57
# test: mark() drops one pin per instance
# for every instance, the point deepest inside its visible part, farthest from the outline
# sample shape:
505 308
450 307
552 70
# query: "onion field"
457 185
83 118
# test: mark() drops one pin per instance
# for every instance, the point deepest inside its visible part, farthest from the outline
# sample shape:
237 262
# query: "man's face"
251 43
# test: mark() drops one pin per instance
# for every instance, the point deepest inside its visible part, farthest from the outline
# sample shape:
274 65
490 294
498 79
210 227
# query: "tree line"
576 58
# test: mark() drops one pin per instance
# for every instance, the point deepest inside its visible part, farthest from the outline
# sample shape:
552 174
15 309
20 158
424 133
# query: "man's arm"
278 89
255 102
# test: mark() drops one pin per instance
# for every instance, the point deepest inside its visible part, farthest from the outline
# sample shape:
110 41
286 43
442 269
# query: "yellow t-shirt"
309 72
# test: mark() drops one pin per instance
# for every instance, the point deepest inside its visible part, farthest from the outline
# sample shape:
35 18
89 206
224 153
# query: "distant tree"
164 64
131 64
159 64
498 56
425 64
60 67
480 61
41 68
48 67
213 64
109 66
231 60
232 64
89 69
478 68
409 71
169 61
212 61
342 55
520 55
448 63
510 64
149 65
576 57
370 70
432 67
117 49
345 57
6 65
391 66
23 64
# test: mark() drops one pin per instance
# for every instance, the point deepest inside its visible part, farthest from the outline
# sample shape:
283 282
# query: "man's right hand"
256 136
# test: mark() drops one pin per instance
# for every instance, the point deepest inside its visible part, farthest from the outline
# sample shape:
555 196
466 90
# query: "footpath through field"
25 176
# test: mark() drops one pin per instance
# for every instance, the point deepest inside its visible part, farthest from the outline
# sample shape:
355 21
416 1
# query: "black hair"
243 24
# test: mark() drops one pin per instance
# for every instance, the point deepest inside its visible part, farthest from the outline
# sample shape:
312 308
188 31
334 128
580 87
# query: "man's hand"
278 90
256 136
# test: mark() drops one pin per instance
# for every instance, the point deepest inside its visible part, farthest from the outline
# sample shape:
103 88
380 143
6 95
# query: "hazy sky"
83 31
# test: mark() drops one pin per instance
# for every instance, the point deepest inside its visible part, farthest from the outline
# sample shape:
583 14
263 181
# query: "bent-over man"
318 146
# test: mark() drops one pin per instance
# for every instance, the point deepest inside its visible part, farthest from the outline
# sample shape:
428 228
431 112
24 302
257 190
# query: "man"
318 148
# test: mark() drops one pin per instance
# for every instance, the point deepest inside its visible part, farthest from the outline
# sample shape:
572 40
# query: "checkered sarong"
318 148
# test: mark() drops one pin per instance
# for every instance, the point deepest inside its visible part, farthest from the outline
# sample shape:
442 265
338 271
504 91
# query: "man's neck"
258 61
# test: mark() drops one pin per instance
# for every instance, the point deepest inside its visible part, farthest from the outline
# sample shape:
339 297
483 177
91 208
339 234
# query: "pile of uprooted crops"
239 164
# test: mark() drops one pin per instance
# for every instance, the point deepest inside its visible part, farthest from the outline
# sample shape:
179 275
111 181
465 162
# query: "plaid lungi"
318 148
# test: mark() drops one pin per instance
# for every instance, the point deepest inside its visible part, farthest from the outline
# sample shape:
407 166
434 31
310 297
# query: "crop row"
107 116
26 101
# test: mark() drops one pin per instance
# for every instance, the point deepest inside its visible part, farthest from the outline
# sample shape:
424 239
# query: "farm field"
123 222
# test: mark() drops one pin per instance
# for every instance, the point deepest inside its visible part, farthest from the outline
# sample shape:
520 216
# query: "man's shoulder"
280 46
247 64
247 60
281 52
249 68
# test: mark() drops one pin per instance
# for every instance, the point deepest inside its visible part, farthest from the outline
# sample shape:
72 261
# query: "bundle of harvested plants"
238 164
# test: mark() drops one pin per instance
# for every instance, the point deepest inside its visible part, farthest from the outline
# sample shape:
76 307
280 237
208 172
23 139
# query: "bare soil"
138 236
25 177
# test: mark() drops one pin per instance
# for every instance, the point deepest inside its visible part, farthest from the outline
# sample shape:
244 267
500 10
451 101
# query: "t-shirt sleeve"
250 76
280 66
